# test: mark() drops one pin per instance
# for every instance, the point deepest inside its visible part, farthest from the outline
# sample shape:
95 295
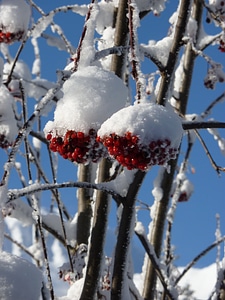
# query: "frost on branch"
142 135
91 95
14 20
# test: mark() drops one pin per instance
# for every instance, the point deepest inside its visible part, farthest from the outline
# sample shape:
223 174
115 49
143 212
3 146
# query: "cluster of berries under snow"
91 95
142 135
18 11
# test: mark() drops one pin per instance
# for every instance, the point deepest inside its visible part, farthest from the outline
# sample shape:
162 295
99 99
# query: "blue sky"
195 222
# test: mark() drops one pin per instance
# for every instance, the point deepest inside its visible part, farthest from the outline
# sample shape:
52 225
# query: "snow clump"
14 20
142 135
91 95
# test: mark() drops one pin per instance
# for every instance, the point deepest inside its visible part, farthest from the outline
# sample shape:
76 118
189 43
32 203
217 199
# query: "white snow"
14 15
147 121
91 95
8 125
19 279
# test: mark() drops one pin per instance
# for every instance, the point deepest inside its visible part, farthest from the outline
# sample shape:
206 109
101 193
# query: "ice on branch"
91 95
8 125
142 135
19 279
157 6
218 138
14 20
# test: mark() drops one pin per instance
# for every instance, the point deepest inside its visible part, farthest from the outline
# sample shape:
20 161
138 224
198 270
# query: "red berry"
77 146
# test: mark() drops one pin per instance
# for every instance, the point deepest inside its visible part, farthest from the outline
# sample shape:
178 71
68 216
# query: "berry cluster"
130 153
77 146
4 143
217 11
222 45
10 37
215 74
106 283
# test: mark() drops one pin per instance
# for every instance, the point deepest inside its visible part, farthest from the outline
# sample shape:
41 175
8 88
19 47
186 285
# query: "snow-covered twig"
152 256
213 163
28 126
33 188
83 34
208 110
21 246
196 258
135 61
56 28
202 125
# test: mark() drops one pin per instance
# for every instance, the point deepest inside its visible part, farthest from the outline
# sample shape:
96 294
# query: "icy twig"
61 209
213 163
27 128
134 49
152 256
83 34
22 247
196 258
203 125
174 51
208 110
34 188
55 191
57 28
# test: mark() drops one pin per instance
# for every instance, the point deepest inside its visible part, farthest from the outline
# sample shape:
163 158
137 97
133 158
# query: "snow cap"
91 95
148 121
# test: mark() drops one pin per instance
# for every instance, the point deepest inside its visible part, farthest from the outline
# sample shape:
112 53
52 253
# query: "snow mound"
19 279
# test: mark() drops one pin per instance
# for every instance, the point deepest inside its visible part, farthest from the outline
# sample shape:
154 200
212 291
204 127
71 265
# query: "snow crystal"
91 95
147 121
19 279
14 15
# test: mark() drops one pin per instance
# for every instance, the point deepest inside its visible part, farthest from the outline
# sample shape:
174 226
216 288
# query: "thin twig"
152 256
22 247
196 258
203 125
213 163
14 194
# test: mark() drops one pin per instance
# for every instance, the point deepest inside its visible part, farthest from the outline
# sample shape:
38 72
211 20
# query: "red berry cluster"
9 37
222 45
4 143
77 147
183 197
106 283
130 153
